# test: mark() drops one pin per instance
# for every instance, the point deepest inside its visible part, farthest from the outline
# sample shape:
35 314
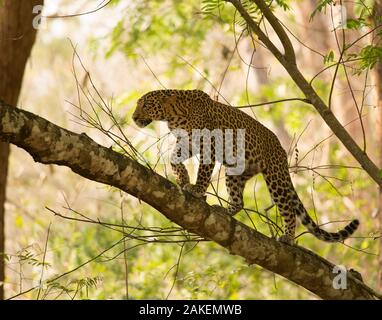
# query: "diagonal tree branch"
289 54
51 144
288 62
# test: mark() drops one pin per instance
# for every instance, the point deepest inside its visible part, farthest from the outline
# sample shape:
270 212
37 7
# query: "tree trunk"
378 131
17 36
377 78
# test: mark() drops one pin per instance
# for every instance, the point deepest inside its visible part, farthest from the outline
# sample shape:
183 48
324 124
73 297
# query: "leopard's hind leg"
281 189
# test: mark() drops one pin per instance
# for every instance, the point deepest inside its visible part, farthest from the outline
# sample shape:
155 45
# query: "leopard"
188 110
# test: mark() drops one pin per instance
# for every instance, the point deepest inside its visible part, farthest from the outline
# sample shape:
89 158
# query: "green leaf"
209 6
355 24
329 57
321 6
283 5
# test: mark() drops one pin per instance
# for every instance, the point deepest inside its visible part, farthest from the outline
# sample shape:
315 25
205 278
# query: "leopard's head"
156 105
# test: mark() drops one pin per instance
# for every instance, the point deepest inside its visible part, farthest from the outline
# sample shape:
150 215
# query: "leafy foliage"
321 6
28 257
156 26
370 56
283 4
356 24
202 31
210 6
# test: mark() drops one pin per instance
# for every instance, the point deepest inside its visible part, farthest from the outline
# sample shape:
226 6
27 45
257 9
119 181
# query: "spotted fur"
194 109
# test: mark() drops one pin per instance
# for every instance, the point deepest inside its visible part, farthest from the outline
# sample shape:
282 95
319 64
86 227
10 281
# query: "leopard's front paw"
182 181
194 189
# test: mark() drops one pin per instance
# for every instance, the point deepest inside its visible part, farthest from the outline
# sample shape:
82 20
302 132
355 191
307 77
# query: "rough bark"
17 36
50 144
288 61
378 132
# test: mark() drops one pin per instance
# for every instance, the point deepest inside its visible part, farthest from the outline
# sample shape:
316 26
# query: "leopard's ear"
174 105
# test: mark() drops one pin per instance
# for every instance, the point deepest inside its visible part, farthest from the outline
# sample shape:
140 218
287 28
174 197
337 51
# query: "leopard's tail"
284 195
319 233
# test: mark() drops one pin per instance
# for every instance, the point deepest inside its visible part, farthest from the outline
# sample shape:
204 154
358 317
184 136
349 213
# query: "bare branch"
100 6
274 102
291 67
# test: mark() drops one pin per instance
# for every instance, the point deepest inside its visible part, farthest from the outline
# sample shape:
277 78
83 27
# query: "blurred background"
129 48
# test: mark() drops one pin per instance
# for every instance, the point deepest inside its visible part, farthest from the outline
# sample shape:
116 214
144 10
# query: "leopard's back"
192 110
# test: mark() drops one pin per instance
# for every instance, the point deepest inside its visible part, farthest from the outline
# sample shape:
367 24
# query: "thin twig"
274 102
43 262
176 270
98 8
